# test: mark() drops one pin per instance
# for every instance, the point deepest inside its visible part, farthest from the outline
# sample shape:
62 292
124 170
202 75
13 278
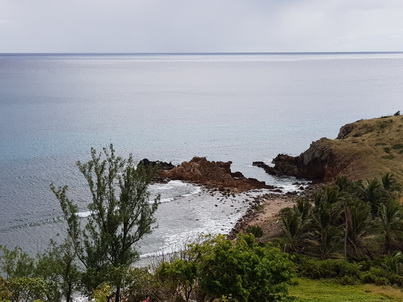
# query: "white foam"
169 185
195 192
163 200
85 214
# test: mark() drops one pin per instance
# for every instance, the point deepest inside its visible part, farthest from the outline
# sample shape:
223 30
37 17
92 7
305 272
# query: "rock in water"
213 174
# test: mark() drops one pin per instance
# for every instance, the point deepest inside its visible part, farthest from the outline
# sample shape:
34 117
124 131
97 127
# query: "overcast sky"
200 25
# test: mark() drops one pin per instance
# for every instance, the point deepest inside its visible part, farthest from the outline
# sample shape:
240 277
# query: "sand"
265 214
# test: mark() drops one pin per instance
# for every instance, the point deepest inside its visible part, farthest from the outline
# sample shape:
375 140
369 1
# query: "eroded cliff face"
319 162
364 149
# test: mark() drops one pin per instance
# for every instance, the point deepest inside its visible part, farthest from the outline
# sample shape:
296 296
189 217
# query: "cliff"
363 149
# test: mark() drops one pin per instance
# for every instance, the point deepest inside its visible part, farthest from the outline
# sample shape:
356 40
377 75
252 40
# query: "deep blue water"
238 107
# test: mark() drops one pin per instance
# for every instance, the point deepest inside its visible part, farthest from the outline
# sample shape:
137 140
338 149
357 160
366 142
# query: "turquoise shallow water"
238 107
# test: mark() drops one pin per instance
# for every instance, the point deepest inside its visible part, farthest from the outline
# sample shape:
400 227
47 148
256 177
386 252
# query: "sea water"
171 107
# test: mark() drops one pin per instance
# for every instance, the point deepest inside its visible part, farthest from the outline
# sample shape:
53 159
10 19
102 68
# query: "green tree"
242 269
394 263
178 279
57 266
292 227
391 225
28 289
5 291
228 270
295 223
391 185
373 194
15 263
121 214
361 225
327 220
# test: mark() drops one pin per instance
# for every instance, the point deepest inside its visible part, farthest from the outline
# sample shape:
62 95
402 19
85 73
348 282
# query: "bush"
28 289
240 270
255 231
381 276
330 268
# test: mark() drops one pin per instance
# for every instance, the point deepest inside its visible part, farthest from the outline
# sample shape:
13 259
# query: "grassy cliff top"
370 147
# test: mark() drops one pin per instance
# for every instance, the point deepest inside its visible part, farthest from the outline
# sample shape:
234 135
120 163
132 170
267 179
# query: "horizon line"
202 53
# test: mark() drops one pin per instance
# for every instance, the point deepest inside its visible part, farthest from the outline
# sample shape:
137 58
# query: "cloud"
201 26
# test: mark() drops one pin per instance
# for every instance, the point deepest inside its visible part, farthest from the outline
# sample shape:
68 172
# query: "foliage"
141 285
15 263
50 276
339 219
120 216
391 225
329 268
394 263
178 278
241 269
58 268
5 292
26 289
102 293
255 230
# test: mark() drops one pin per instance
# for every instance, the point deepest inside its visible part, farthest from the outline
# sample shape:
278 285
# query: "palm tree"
326 218
304 207
295 222
292 228
394 263
390 218
360 225
374 194
390 185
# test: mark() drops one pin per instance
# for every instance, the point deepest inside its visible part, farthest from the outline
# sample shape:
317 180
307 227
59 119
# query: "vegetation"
368 148
344 243
120 216
307 290
348 233
342 220
97 253
239 270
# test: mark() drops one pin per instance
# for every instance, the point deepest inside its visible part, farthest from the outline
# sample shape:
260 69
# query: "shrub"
255 231
330 268
375 275
240 270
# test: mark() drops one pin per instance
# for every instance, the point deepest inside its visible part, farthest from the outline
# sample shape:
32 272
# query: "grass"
327 291
369 148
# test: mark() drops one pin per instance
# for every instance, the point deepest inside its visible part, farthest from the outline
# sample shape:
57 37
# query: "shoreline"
264 213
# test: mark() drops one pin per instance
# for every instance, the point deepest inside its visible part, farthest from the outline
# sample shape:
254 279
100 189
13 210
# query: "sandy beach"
265 214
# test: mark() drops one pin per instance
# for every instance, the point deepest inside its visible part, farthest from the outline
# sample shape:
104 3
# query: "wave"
172 184
169 199
198 190
85 214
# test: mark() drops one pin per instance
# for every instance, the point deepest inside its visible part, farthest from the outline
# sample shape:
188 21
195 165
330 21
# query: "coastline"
264 213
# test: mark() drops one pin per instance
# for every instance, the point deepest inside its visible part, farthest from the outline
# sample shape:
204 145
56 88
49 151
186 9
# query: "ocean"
171 107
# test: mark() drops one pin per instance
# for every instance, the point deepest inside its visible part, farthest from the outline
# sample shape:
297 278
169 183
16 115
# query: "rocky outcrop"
319 162
159 164
363 149
212 174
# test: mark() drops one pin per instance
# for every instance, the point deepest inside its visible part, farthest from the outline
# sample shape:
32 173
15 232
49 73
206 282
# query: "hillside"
363 149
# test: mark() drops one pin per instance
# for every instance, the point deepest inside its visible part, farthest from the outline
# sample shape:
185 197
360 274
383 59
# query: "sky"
183 26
